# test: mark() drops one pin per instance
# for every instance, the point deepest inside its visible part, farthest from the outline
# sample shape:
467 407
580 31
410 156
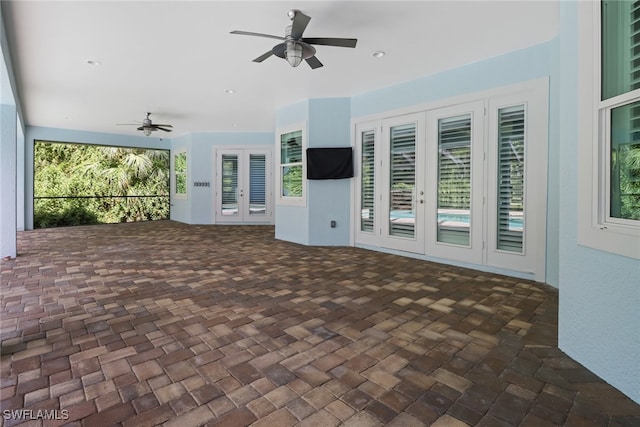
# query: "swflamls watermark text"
35 414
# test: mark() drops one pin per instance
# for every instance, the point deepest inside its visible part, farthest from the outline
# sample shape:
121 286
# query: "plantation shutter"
402 180
635 65
367 186
257 184
635 45
511 185
454 180
229 184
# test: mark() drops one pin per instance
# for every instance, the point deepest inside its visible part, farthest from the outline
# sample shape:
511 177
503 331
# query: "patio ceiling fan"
148 126
294 47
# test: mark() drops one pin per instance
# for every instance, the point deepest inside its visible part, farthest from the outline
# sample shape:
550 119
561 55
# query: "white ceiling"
177 58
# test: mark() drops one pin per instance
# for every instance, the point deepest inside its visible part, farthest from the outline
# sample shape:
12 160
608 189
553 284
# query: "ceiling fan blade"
328 41
140 128
158 127
127 124
159 124
314 62
263 56
248 33
300 22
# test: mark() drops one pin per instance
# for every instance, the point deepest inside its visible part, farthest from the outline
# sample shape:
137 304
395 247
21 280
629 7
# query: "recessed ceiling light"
93 62
378 54
229 91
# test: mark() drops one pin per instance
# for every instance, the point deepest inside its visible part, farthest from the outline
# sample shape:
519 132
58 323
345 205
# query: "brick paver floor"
163 323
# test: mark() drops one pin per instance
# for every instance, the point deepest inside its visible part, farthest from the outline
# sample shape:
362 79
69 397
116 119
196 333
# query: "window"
367 182
624 174
609 117
180 174
511 194
620 79
291 145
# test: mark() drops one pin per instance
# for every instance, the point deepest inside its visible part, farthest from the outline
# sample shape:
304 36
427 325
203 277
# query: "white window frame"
185 195
287 200
596 229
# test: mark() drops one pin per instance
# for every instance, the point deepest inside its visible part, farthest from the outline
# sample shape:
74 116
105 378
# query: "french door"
243 182
455 182
391 186
461 181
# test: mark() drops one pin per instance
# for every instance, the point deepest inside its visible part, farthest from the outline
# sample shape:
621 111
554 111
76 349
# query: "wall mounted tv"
329 163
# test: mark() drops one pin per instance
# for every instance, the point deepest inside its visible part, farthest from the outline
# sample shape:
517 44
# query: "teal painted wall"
292 222
329 200
514 67
328 125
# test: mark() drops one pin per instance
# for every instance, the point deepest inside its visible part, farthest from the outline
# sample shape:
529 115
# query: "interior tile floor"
163 323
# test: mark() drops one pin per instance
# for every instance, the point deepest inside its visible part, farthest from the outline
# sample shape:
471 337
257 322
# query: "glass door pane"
454 180
402 183
367 183
511 161
230 188
257 184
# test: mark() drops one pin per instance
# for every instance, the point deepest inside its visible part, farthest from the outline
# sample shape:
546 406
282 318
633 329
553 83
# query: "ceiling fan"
148 126
294 47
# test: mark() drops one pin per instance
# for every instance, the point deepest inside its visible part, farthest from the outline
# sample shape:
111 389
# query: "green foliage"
49 216
626 182
180 167
103 179
292 181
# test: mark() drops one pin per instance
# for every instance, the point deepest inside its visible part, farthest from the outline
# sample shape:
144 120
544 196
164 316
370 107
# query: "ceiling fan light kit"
294 47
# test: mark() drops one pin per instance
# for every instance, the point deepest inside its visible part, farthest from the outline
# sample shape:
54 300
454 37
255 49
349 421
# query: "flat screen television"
329 163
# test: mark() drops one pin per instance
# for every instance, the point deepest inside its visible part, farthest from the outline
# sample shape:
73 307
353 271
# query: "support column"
8 175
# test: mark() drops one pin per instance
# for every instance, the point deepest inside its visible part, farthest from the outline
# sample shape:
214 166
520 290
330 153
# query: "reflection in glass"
292 181
402 182
625 162
367 186
511 152
454 180
257 184
229 184
180 172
